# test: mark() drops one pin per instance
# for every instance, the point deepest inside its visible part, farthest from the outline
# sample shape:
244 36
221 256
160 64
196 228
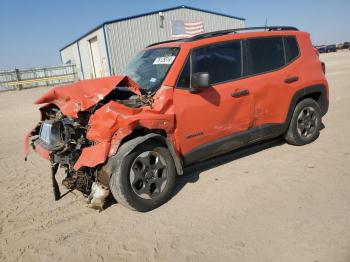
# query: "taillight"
323 67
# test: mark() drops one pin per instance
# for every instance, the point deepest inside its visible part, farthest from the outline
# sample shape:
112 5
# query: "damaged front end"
78 130
61 140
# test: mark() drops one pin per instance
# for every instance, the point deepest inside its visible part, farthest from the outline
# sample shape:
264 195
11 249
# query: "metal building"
106 49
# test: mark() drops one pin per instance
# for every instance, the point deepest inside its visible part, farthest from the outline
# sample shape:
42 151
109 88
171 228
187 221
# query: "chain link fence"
18 79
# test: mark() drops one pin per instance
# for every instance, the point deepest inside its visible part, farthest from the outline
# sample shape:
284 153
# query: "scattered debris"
98 195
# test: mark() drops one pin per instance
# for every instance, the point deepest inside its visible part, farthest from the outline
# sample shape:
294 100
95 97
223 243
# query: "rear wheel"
304 126
145 179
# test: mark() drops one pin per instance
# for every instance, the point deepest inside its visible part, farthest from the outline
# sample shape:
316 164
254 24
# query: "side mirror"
199 80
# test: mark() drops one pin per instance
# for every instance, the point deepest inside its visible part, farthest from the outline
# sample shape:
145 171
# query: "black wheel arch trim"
130 145
323 100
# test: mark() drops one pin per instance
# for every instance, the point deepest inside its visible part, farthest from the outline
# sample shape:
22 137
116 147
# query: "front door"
207 120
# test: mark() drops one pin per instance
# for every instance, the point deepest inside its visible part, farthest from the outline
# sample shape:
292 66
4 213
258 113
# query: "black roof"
149 13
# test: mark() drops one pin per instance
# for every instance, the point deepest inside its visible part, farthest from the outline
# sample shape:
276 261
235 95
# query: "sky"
33 31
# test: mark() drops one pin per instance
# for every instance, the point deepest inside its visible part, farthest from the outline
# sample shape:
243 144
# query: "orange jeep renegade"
180 102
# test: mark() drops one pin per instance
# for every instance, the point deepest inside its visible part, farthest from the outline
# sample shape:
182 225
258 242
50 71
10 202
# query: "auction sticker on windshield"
164 60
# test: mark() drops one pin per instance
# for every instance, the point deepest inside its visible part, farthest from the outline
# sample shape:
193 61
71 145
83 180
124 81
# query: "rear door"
272 76
214 113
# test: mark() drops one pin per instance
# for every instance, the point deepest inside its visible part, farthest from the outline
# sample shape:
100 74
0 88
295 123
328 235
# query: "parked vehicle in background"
181 102
322 49
326 48
331 48
345 45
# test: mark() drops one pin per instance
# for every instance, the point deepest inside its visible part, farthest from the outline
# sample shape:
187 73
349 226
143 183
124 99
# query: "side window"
265 54
291 47
222 62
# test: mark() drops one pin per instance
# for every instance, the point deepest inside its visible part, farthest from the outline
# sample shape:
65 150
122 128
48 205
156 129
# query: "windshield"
149 67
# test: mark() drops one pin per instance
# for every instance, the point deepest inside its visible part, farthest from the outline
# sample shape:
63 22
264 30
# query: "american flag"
181 29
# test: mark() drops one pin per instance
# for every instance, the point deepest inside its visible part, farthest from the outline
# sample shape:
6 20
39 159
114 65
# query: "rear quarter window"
291 47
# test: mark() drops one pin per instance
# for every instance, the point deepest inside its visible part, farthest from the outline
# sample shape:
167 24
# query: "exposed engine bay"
64 137
87 128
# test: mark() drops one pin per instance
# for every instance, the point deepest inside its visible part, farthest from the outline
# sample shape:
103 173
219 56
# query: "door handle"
291 79
240 93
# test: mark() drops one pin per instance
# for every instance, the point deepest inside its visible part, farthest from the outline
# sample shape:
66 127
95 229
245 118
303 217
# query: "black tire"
302 121
125 191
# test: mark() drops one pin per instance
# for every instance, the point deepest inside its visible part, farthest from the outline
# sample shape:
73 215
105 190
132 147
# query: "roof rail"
167 41
228 31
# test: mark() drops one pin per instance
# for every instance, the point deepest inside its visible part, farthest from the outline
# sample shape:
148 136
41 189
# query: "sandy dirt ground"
270 202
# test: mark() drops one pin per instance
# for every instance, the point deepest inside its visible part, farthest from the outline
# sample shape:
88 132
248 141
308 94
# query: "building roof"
148 13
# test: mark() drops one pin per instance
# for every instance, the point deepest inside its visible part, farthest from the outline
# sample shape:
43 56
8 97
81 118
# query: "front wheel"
145 178
305 124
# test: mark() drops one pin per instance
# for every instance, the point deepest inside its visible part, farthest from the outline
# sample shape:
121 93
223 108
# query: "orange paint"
42 152
82 95
213 112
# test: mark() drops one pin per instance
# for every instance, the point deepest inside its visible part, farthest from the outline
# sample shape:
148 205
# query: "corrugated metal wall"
127 37
71 53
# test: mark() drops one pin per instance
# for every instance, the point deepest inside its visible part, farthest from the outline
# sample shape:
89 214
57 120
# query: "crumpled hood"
82 95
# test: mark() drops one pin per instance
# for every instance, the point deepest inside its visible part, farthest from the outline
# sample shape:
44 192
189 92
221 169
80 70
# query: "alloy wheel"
307 122
148 174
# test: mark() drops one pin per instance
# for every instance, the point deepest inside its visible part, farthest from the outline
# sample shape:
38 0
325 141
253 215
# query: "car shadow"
110 201
192 173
